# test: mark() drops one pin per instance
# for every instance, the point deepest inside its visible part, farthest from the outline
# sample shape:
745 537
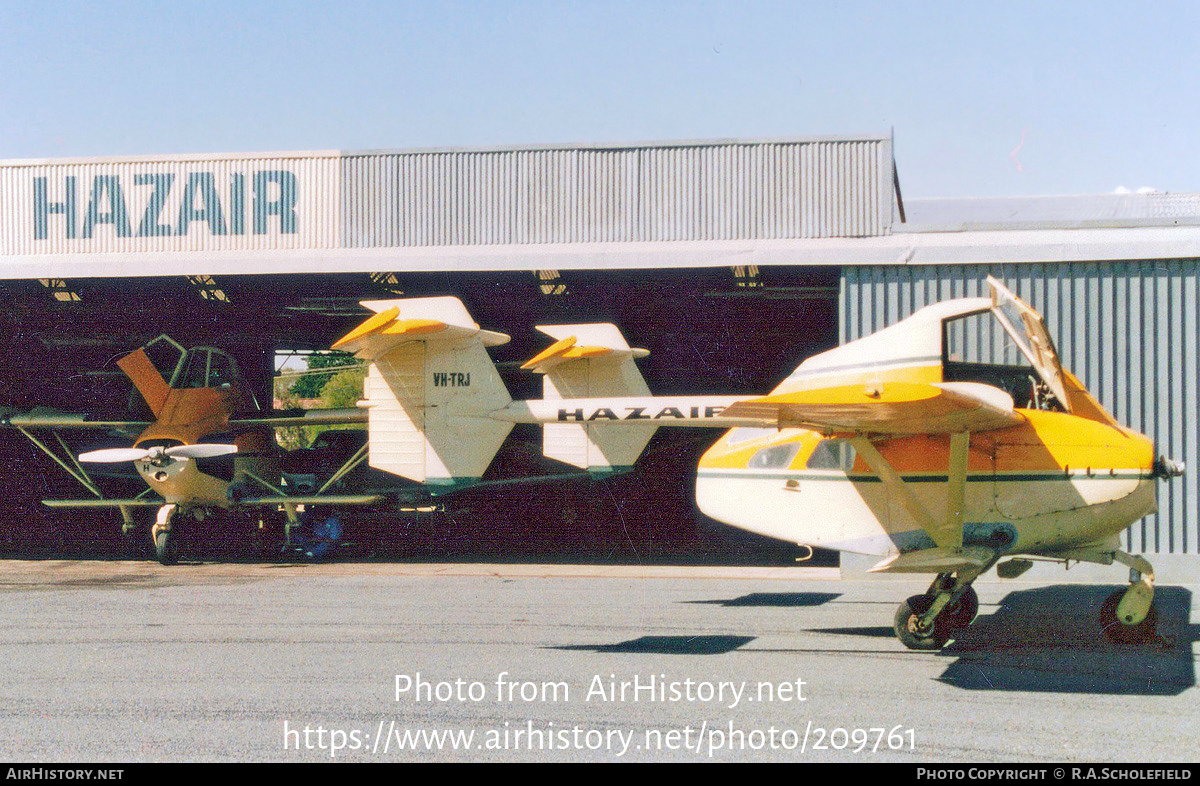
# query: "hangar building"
731 260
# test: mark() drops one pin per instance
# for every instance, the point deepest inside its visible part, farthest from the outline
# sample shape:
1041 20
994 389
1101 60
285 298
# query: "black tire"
1120 632
908 628
165 549
961 614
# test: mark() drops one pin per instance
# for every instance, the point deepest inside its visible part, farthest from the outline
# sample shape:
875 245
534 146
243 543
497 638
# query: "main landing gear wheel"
912 632
1121 631
165 550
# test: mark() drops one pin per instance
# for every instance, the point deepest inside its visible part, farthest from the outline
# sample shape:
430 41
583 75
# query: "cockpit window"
981 339
195 373
774 457
222 372
208 368
979 348
836 454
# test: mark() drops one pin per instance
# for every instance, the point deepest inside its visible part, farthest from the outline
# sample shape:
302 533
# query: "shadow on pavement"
669 645
775 599
1049 639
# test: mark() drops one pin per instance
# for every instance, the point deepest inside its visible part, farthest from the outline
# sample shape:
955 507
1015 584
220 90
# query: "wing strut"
947 533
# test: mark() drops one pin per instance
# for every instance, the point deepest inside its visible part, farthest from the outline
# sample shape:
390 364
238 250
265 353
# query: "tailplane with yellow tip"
591 362
429 390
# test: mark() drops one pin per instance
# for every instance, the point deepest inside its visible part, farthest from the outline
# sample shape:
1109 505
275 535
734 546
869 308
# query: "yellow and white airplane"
945 444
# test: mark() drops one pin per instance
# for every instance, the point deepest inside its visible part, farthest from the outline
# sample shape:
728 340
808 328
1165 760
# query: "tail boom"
638 411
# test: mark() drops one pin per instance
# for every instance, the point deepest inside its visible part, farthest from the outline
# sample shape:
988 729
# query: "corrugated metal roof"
1053 212
620 194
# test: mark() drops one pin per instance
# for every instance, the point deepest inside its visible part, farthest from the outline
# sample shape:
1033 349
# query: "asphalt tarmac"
131 661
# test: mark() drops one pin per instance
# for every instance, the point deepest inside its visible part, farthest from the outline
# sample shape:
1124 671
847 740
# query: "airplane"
196 397
948 443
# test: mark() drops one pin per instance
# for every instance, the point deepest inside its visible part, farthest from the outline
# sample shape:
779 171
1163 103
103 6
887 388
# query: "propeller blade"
114 455
204 450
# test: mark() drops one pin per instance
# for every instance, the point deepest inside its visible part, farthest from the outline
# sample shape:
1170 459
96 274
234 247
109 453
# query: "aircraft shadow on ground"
710 645
775 599
1049 640
669 645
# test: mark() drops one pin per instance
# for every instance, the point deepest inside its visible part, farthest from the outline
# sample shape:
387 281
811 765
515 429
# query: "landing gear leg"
132 540
1129 616
166 547
927 622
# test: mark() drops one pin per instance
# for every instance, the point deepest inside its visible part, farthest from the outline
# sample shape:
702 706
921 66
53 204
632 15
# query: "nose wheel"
920 626
166 547
1129 616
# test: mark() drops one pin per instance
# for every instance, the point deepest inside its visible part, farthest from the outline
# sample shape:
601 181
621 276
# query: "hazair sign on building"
222 211
169 204
141 211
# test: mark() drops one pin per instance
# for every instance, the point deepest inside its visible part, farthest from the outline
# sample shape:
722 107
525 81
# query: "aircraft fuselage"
1054 481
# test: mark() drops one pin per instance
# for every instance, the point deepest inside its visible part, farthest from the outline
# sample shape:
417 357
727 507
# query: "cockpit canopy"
997 340
197 367
978 348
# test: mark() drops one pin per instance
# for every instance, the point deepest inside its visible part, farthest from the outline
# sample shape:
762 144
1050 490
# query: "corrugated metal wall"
1128 330
702 191
697 191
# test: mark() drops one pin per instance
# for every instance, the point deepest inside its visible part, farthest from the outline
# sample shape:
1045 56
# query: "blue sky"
985 99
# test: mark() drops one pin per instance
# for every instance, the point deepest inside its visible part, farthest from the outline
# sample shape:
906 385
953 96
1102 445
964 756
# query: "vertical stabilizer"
591 361
146 379
429 390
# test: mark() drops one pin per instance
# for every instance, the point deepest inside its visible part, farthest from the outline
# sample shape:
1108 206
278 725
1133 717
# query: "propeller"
157 453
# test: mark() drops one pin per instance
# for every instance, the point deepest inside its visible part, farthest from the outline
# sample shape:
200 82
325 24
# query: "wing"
311 499
44 417
884 408
309 417
272 501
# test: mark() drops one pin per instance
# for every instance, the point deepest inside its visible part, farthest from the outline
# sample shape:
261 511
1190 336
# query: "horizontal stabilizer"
937 560
885 408
397 322
582 342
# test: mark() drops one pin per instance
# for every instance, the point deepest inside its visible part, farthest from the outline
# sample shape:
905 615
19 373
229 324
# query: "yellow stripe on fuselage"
1045 442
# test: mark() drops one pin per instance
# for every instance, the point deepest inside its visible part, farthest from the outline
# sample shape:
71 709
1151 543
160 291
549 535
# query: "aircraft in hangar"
948 443
208 446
